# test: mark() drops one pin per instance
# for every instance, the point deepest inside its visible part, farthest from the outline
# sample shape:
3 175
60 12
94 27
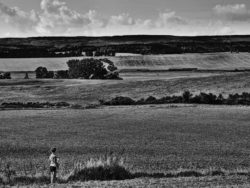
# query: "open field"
208 61
151 138
156 138
134 85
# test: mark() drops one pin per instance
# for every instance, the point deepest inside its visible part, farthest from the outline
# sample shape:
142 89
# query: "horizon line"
129 35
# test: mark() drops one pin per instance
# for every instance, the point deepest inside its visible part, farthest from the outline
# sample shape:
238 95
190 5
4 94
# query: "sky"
26 18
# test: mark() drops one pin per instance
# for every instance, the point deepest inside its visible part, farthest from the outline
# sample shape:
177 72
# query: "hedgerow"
186 97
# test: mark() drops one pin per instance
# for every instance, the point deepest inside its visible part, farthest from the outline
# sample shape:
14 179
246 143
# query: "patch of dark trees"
5 75
37 52
101 51
83 69
186 97
35 105
109 46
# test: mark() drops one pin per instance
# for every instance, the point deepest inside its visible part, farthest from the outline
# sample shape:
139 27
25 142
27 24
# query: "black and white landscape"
131 93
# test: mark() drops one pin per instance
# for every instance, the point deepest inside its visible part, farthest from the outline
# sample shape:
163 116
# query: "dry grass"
105 168
108 167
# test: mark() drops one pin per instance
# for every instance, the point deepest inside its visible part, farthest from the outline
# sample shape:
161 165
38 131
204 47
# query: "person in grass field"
54 165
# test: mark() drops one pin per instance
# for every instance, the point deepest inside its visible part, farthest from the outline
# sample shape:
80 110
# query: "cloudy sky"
22 18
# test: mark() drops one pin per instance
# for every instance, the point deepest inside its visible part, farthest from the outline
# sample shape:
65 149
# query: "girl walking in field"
53 165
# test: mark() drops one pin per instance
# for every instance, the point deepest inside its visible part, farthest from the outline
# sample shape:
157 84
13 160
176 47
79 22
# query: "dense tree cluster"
5 75
101 51
61 74
186 97
85 68
92 69
42 72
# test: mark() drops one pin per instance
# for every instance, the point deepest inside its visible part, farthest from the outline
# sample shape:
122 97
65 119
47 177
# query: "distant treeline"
186 97
109 46
34 105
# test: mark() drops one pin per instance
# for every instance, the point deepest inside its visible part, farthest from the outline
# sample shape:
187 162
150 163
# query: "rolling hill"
143 44
207 61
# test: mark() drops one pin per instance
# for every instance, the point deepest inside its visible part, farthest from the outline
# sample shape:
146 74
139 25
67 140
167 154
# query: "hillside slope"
208 61
143 44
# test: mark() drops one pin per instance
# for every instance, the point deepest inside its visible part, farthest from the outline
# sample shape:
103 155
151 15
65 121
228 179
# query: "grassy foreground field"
154 138
161 138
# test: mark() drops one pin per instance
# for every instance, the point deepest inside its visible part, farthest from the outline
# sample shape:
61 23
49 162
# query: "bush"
62 104
140 102
50 74
41 72
5 75
186 96
107 168
151 100
26 76
86 68
62 74
121 101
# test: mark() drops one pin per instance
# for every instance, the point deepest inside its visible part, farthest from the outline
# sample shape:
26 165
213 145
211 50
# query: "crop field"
213 61
155 138
136 85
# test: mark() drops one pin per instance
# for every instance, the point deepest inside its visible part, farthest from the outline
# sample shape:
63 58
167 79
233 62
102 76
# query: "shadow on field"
168 175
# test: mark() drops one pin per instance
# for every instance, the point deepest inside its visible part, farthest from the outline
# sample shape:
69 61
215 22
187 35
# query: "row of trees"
35 105
101 51
186 97
85 68
176 47
43 73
